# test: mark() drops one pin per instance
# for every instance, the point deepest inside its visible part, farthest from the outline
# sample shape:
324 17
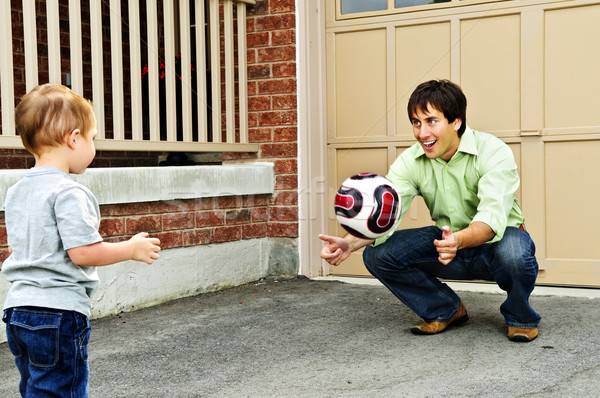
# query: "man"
468 181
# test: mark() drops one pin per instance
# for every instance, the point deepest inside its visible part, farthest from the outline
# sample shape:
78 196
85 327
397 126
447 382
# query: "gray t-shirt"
47 213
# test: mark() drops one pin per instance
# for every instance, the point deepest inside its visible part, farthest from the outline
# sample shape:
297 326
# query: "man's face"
437 137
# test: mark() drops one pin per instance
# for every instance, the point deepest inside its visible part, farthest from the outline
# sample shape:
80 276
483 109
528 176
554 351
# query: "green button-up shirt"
478 184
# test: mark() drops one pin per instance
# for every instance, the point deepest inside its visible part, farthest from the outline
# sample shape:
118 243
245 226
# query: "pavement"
295 337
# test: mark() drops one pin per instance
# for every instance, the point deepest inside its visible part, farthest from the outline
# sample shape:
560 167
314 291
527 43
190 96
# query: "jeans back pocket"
37 333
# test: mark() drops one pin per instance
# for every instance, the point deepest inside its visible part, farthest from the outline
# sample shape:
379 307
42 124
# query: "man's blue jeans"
50 349
407 264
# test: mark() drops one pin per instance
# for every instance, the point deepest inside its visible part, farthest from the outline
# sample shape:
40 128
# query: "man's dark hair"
443 95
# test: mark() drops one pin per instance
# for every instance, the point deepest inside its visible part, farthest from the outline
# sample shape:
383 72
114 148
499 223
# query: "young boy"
52 226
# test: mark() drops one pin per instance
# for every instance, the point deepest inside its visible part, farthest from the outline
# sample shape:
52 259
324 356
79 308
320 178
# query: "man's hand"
474 235
447 246
338 249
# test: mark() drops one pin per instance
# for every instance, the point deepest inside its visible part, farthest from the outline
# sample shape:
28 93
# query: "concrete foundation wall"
183 272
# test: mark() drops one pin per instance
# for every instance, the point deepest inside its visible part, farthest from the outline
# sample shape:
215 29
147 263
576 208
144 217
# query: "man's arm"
474 235
338 249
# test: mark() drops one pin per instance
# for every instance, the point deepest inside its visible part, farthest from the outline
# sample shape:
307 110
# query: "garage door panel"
422 53
360 90
572 198
572 62
490 72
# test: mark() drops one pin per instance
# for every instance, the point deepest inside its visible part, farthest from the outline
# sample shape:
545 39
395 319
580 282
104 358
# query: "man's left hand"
447 246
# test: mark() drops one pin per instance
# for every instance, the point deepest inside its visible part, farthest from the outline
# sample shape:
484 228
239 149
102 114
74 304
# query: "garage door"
531 73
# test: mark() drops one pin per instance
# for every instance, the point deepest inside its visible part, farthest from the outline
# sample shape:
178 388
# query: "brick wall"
273 125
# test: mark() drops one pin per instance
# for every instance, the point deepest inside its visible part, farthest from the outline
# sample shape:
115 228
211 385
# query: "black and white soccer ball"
367 205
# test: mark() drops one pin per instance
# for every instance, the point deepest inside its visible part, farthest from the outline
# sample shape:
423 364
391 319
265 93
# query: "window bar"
185 63
29 33
136 67
75 43
116 55
53 28
170 100
201 72
242 72
6 71
229 71
215 70
153 92
97 65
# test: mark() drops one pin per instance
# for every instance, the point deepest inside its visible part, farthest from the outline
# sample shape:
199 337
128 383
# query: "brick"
225 202
278 86
203 204
171 206
259 71
279 150
278 6
228 234
3 255
112 227
286 198
197 237
289 230
285 134
256 200
260 39
272 54
285 166
250 231
3 236
178 221
127 209
286 181
238 217
135 225
281 213
260 135
284 101
259 214
278 118
284 69
281 37
169 240
259 103
275 22
209 218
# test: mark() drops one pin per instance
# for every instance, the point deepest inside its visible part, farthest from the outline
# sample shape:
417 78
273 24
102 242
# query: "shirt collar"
467 144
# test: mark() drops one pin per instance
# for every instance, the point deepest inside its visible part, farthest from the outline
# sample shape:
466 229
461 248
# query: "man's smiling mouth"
429 144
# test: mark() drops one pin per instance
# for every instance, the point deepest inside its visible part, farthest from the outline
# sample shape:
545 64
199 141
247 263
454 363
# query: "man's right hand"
338 249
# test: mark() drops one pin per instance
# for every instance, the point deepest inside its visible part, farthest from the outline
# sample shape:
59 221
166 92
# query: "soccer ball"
367 205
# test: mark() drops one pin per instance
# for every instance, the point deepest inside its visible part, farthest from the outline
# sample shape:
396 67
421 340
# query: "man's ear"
457 123
72 138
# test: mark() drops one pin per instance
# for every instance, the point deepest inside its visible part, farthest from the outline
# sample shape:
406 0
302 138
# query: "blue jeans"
407 264
50 349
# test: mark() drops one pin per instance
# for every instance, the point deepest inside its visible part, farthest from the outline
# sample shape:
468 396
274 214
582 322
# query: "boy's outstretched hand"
145 249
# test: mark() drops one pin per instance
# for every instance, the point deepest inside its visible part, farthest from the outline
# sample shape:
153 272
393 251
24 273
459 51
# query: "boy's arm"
140 248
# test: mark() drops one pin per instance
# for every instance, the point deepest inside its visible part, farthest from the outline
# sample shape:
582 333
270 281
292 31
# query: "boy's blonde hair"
48 113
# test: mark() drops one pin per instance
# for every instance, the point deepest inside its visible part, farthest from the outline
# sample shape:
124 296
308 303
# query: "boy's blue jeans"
50 349
407 264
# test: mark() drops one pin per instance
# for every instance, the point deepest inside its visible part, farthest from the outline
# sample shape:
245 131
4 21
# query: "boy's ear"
72 138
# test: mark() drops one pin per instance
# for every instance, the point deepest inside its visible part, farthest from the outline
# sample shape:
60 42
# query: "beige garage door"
531 73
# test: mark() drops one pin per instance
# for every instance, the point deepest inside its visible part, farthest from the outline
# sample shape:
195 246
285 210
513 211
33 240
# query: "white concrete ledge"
148 184
480 287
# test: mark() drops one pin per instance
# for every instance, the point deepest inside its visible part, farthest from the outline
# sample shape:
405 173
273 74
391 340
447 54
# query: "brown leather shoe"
522 334
434 327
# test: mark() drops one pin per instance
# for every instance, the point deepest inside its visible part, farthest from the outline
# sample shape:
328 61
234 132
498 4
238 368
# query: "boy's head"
443 95
48 113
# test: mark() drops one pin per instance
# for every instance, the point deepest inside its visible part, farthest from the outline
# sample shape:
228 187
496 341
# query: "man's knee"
515 253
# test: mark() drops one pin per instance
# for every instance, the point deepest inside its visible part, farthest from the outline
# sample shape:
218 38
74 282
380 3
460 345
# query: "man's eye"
432 121
416 123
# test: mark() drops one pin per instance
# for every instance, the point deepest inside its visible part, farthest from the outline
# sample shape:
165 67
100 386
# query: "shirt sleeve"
497 186
400 174
77 217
